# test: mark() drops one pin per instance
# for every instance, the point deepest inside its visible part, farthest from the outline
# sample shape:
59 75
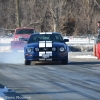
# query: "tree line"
69 17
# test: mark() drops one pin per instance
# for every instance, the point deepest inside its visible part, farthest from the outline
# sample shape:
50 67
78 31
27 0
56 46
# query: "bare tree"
55 7
50 15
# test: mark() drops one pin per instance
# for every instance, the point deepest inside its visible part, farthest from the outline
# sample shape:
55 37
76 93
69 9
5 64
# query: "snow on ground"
2 95
2 98
84 56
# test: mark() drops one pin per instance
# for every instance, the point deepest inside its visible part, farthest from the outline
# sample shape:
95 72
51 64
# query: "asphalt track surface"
79 80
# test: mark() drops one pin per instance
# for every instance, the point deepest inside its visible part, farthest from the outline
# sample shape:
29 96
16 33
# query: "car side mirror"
66 40
26 42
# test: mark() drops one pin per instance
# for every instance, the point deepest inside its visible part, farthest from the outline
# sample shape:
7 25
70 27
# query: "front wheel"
65 61
27 62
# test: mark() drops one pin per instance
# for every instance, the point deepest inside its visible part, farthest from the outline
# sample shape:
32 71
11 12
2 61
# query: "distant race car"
48 46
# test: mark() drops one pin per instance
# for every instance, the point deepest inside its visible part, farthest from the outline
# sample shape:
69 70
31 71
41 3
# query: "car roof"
45 33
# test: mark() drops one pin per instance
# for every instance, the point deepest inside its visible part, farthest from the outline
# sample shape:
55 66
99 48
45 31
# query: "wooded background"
69 17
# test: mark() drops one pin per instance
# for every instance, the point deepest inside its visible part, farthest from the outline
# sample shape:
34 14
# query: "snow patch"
2 90
84 56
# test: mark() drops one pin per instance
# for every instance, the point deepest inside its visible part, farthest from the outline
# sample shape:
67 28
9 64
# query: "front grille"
53 57
45 49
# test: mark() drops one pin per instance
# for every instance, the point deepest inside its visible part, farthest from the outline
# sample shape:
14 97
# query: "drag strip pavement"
79 80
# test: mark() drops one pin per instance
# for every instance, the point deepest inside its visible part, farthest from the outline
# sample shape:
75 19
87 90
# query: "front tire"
65 61
27 62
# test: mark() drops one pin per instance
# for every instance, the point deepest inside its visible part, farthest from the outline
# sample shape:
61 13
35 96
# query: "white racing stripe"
45 44
49 44
42 32
50 53
45 32
41 44
48 33
41 53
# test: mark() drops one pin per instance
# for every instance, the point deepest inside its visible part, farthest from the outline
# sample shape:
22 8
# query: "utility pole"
17 13
56 26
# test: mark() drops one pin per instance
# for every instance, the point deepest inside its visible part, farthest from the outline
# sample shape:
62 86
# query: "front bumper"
55 56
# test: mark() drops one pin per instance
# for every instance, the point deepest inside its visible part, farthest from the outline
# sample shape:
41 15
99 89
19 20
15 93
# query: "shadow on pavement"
84 63
70 63
11 95
47 63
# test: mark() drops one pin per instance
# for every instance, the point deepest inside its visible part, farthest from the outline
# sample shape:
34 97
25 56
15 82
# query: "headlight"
36 49
53 49
62 49
29 49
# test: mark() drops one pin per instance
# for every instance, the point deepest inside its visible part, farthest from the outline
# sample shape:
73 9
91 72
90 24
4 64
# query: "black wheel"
65 62
27 62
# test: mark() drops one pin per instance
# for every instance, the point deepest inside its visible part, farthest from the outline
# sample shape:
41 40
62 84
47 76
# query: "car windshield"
25 31
45 37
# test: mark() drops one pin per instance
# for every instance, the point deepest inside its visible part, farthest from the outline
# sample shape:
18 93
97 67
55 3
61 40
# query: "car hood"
54 44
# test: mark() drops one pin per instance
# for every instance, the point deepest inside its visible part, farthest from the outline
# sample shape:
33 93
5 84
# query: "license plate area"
45 55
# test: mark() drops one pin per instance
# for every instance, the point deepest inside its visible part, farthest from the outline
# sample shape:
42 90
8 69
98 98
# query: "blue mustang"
48 46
